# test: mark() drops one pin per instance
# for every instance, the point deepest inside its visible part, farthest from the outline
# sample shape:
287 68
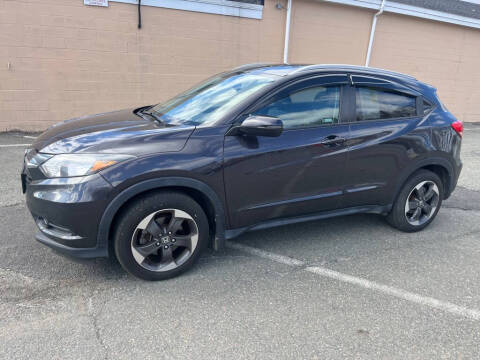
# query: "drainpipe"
287 32
372 32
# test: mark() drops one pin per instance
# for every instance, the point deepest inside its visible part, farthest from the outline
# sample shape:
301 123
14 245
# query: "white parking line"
266 255
451 308
13 145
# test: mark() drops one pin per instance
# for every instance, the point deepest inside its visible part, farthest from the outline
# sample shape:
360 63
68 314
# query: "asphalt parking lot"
349 287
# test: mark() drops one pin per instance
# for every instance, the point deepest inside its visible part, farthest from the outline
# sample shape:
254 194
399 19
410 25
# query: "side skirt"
370 209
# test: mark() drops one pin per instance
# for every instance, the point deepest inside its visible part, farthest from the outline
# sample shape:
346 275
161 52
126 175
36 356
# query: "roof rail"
350 67
308 67
250 66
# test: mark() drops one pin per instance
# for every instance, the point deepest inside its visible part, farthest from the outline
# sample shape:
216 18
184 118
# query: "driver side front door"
301 171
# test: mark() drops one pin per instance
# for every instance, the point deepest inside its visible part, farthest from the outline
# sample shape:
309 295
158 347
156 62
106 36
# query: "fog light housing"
55 231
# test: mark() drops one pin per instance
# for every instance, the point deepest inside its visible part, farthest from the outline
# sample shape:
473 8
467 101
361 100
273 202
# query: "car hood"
120 132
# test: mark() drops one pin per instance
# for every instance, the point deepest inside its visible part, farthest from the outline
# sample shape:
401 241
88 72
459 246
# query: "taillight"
458 127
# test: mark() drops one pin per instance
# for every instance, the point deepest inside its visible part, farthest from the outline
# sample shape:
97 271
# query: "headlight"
68 165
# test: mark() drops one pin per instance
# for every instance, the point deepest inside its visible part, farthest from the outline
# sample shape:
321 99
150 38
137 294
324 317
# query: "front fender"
151 184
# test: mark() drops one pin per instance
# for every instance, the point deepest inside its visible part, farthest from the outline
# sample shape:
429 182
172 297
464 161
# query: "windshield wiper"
150 115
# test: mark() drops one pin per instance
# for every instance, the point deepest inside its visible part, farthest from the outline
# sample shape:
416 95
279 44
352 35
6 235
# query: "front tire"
160 235
418 202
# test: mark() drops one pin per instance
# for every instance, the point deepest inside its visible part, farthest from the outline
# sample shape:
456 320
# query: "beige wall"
329 34
443 55
67 59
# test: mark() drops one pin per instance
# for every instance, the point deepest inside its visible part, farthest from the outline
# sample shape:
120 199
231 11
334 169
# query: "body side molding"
367 209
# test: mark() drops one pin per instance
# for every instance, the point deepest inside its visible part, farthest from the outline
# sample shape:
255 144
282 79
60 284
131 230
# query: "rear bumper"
453 183
458 170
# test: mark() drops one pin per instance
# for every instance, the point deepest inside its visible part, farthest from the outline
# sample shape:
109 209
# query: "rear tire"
160 235
418 202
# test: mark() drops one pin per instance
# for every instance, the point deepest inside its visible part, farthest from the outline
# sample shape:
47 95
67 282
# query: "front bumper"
80 253
67 212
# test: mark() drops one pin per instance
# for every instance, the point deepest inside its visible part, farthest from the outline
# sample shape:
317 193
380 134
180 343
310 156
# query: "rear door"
385 136
299 172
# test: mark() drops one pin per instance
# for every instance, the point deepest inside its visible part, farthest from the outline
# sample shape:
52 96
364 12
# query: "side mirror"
260 126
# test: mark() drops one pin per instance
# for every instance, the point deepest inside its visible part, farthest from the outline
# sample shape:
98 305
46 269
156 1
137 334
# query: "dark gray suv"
252 148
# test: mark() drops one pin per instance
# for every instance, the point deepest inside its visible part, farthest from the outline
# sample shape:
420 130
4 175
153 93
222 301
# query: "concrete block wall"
61 59
444 55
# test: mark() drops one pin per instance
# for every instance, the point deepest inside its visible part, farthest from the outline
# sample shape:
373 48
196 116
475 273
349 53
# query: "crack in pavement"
96 327
463 199
12 205
456 207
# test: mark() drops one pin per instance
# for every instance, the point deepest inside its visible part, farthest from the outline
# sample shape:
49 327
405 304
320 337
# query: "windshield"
209 101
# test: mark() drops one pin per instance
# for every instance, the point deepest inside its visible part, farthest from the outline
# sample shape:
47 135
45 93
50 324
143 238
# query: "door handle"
333 139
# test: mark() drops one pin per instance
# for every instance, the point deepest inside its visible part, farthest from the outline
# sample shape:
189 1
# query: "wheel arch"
439 166
444 175
199 191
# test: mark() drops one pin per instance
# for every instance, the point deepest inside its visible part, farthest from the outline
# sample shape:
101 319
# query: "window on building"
375 104
305 108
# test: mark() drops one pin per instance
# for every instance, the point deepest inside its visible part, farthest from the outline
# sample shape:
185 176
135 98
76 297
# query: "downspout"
372 32
287 32
139 14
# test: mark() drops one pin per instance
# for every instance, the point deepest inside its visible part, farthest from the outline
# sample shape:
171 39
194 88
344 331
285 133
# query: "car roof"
288 71
292 69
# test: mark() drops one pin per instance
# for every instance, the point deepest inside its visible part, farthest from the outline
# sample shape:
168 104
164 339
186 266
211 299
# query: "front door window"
313 106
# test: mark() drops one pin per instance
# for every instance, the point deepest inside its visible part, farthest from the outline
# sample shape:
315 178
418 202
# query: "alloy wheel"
164 240
421 203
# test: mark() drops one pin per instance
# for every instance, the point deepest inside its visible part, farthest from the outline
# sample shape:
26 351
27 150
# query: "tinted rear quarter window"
427 107
377 104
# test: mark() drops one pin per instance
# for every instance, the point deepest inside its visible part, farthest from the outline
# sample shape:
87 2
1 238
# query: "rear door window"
379 104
